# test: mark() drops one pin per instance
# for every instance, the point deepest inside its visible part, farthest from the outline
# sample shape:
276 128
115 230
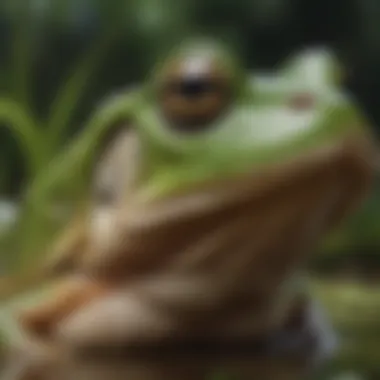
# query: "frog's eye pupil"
193 87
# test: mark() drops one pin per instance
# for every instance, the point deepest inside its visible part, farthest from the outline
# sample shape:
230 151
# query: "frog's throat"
272 216
227 249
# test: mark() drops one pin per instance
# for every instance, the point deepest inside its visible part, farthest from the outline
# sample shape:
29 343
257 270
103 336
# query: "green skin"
258 129
247 137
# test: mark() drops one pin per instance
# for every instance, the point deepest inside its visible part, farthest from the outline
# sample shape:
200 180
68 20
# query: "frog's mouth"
252 231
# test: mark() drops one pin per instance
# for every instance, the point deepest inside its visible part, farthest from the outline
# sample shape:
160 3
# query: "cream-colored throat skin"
224 252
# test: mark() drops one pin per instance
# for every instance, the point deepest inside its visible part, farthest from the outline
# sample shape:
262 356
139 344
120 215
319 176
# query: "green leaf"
26 132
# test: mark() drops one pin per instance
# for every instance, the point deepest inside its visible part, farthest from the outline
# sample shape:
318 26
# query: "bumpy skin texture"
203 236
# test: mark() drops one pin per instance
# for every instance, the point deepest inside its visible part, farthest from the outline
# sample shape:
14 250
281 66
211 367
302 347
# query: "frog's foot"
119 320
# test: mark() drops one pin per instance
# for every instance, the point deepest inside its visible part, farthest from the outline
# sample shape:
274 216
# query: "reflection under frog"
207 199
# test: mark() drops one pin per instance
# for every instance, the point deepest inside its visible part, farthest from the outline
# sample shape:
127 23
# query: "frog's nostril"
302 102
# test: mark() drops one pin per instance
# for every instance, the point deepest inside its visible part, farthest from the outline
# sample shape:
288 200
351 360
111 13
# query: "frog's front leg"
154 310
73 293
116 319
121 319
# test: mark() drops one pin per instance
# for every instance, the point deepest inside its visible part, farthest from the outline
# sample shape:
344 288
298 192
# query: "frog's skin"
204 227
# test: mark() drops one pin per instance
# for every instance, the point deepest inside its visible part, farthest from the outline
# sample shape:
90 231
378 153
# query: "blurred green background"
60 59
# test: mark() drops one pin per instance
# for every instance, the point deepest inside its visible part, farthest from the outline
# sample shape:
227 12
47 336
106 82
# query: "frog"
207 200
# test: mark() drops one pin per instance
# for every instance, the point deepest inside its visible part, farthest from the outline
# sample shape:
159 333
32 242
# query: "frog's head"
213 144
202 121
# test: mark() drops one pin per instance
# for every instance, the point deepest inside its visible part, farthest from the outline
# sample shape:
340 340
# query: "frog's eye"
193 92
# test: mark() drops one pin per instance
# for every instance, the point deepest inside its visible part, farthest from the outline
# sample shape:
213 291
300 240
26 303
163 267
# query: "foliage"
42 142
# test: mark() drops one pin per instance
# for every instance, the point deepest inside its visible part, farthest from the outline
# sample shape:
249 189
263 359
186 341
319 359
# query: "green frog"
209 195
